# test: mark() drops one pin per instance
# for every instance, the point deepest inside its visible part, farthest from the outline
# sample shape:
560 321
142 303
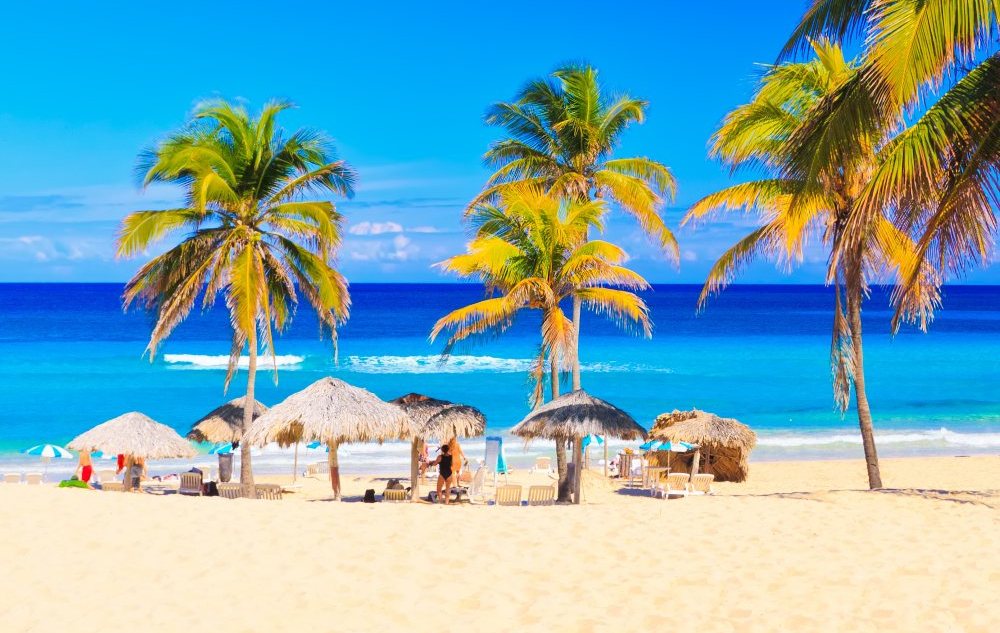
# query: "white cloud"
375 228
399 249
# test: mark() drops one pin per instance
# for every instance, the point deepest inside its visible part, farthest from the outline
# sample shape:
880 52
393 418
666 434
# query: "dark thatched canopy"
433 418
225 423
725 443
578 414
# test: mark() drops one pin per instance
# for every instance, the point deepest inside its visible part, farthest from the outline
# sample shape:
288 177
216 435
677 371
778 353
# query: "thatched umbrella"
724 444
433 418
225 424
135 435
333 412
574 415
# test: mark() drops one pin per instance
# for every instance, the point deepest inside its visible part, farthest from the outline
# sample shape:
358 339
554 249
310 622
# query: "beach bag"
225 467
370 495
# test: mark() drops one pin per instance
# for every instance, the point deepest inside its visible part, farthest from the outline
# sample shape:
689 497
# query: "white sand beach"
801 546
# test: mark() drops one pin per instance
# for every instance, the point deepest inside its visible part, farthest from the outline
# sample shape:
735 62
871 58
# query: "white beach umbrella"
48 452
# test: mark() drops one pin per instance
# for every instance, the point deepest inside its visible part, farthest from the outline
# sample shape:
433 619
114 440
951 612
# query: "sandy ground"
800 547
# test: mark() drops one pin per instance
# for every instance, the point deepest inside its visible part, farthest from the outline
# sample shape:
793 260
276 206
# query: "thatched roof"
699 427
433 418
225 423
134 434
330 410
578 414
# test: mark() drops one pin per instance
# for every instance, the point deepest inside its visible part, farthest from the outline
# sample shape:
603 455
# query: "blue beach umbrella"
222 448
650 445
592 439
317 445
47 452
676 447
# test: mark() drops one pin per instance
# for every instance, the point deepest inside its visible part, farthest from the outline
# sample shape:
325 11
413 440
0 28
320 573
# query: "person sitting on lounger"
443 462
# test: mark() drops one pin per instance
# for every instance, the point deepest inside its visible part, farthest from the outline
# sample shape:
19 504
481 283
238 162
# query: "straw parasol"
135 435
724 443
225 423
333 412
433 418
573 416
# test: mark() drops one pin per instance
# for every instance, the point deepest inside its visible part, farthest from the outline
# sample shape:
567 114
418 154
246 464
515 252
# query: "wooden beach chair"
676 486
190 484
395 495
113 486
508 495
270 492
33 479
542 496
701 484
229 490
12 478
542 464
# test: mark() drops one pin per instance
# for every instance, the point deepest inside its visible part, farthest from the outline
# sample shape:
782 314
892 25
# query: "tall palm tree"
563 131
863 247
938 58
251 234
529 253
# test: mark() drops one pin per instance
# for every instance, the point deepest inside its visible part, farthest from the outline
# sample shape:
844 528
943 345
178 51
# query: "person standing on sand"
86 467
443 462
457 459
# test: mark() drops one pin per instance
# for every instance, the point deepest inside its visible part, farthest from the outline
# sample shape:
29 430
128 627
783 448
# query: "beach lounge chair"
271 492
676 486
12 478
106 476
113 486
508 495
541 496
701 484
477 489
319 470
33 479
229 490
190 484
542 464
395 495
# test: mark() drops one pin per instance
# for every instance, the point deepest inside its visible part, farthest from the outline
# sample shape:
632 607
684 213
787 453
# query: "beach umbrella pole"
334 471
605 458
295 463
415 470
578 474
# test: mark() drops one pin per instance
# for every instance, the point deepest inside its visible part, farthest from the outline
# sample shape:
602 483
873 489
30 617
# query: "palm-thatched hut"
134 435
433 418
573 416
224 423
724 444
333 412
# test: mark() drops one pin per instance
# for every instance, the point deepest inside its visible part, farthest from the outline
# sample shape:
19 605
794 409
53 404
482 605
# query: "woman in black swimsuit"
443 462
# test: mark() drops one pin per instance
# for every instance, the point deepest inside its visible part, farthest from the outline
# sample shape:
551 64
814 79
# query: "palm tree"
251 234
937 57
529 252
862 246
563 131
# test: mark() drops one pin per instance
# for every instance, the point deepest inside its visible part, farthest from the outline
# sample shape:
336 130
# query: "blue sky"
402 87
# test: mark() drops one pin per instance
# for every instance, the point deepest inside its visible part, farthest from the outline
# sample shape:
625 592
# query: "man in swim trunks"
86 467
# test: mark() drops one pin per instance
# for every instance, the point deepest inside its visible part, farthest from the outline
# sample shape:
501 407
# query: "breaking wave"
205 361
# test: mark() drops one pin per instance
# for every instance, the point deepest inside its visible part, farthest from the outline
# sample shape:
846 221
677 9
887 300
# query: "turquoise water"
71 359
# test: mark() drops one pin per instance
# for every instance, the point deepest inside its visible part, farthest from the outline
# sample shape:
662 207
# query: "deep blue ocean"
71 358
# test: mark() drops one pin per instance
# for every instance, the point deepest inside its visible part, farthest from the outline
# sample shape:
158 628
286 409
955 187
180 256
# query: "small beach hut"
572 417
724 444
433 418
134 435
333 412
224 424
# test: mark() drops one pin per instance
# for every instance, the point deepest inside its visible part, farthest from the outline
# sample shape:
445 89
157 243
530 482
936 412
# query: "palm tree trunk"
577 303
246 467
861 394
564 484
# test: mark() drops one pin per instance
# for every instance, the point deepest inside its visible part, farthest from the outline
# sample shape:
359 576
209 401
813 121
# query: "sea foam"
940 437
463 364
207 361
